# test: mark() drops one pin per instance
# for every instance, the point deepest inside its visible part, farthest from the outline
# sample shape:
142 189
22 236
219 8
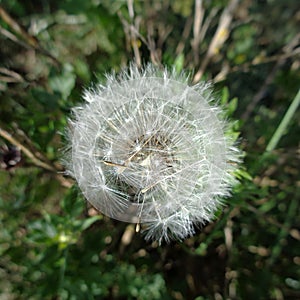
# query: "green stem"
63 269
284 123
277 248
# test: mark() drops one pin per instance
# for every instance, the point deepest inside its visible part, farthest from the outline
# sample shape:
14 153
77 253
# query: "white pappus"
148 148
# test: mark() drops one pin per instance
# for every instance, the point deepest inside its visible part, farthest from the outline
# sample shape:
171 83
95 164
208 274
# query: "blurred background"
53 245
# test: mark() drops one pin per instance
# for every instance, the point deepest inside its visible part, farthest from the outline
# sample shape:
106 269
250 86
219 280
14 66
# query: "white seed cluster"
148 148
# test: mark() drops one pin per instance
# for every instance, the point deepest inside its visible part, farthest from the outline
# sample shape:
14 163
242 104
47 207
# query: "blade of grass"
284 232
284 123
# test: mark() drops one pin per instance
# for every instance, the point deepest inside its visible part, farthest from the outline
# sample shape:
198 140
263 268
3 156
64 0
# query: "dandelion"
147 148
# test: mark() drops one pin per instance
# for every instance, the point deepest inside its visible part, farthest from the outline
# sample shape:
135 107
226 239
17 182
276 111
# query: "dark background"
55 246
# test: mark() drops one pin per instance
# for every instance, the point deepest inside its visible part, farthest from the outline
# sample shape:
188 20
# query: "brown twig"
28 41
24 139
184 36
12 37
155 53
133 37
198 19
127 28
207 23
35 160
26 151
274 58
156 47
280 60
10 76
219 37
262 91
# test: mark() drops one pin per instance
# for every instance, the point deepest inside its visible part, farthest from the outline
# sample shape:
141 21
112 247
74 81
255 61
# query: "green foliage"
53 245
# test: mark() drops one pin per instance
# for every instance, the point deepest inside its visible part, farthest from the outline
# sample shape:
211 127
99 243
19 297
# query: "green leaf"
63 83
224 96
88 222
72 204
48 100
232 106
179 63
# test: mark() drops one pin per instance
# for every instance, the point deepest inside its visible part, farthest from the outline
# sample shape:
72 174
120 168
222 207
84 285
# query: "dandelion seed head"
146 147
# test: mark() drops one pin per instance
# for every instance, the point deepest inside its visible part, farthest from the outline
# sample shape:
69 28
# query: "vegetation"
53 245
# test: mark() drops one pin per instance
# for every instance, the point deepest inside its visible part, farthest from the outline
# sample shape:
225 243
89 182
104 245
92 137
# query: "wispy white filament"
148 148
